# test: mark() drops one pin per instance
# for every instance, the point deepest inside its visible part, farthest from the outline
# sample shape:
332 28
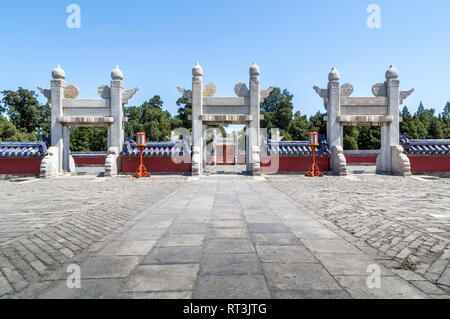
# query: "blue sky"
294 42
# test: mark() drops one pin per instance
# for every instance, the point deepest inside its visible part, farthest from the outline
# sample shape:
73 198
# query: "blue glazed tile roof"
425 147
161 149
88 154
22 149
153 149
300 148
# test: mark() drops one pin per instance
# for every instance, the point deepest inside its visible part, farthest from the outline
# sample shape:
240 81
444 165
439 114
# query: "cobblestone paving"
215 237
44 223
403 222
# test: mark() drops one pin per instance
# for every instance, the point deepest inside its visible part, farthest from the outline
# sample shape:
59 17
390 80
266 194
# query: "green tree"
149 118
277 109
88 139
369 137
298 128
435 131
184 111
25 111
351 134
9 132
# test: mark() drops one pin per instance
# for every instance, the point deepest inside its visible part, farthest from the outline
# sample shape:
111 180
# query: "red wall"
351 159
429 164
157 164
89 160
294 164
20 166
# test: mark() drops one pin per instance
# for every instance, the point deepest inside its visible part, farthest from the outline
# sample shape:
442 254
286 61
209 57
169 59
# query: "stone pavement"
403 222
235 237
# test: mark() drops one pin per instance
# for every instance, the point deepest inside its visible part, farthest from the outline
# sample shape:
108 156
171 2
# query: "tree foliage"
25 111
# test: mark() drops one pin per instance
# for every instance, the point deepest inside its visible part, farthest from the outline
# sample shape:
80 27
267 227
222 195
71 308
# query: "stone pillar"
390 133
66 149
197 125
334 128
116 130
254 128
214 147
204 146
58 85
236 147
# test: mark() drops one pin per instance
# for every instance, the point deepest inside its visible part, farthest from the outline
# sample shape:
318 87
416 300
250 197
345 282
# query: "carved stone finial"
58 73
197 70
209 90
334 75
254 70
392 73
241 90
117 74
71 92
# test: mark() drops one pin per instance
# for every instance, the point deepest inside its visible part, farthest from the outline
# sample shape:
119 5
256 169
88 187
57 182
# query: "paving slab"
229 246
285 254
89 289
299 276
391 288
230 264
127 248
232 287
98 267
233 233
174 255
324 246
350 264
162 278
174 239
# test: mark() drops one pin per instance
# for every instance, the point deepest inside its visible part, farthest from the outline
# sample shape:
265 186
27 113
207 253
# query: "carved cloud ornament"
128 94
405 94
264 94
209 90
346 90
323 93
71 92
104 92
241 90
46 93
379 89
187 94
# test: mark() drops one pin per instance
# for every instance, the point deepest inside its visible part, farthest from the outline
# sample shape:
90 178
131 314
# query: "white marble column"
390 133
335 130
197 125
254 128
66 149
58 85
